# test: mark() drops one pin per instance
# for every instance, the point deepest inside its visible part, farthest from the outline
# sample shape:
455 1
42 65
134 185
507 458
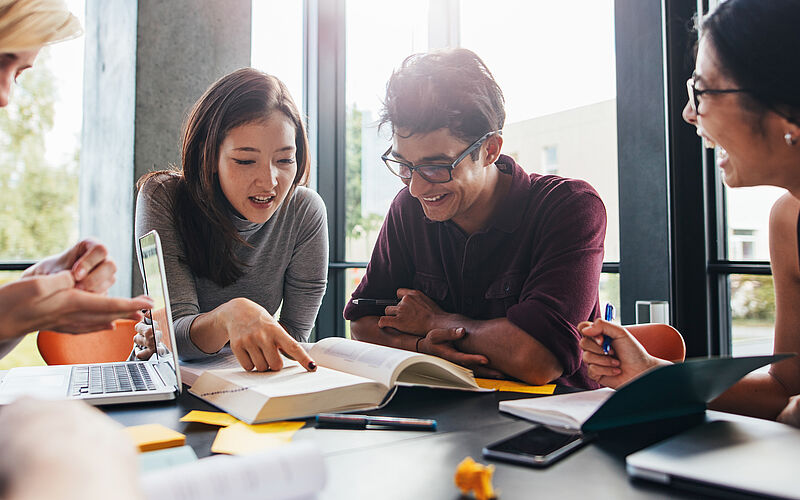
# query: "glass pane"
276 47
747 221
609 290
752 314
555 62
371 56
40 139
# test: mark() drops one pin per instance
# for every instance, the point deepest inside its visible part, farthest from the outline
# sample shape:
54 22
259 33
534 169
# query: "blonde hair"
32 24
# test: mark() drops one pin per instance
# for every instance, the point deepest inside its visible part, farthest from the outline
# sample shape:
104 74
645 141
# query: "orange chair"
660 340
102 346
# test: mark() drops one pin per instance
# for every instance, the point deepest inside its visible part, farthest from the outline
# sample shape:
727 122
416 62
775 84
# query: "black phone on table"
536 447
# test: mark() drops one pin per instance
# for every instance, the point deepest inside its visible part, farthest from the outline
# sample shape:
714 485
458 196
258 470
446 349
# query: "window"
40 138
370 58
549 160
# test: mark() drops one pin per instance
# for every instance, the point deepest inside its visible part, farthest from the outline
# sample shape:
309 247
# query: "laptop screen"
160 340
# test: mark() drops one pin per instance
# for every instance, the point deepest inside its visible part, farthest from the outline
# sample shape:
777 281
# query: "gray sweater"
286 267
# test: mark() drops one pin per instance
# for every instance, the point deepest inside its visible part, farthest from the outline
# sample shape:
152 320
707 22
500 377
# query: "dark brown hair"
450 89
756 42
208 236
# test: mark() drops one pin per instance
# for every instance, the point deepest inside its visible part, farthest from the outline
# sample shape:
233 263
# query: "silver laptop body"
155 379
724 457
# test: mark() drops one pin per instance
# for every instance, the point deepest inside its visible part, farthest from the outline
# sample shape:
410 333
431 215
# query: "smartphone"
536 447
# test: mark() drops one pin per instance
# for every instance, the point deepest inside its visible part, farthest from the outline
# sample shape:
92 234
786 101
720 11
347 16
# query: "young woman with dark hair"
744 100
242 234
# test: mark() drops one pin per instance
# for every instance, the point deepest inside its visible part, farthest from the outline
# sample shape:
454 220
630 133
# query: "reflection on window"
371 56
752 314
40 137
555 62
747 221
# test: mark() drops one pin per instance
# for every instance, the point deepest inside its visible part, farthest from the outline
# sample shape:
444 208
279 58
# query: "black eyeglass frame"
421 169
695 93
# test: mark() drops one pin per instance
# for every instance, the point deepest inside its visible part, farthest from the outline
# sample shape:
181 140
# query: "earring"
791 141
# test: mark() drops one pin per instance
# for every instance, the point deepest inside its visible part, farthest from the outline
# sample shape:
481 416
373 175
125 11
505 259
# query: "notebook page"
564 410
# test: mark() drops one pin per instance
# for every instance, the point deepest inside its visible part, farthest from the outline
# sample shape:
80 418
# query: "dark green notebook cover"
673 390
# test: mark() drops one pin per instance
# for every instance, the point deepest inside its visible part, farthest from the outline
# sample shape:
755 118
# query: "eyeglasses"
695 93
436 174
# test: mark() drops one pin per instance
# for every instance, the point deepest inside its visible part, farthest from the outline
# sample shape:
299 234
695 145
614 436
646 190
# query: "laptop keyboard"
123 377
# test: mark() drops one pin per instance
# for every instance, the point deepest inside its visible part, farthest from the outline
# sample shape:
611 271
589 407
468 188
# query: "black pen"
376 302
338 421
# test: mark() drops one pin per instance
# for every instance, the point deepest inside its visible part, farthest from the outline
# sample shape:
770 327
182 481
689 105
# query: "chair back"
660 340
103 346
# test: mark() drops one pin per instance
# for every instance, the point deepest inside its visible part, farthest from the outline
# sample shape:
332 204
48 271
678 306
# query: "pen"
337 421
376 302
609 316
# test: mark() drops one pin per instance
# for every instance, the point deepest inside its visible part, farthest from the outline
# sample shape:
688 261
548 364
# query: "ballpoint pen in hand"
609 316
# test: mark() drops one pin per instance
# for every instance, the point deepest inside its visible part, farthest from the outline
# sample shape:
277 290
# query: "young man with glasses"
491 267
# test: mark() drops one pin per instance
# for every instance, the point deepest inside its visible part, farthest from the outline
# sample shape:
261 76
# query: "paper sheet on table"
210 418
243 439
510 386
163 459
293 472
151 437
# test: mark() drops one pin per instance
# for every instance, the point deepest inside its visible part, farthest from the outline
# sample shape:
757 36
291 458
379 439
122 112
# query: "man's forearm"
366 329
510 349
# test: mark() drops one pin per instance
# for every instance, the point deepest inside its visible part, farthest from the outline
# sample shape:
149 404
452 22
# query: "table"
420 465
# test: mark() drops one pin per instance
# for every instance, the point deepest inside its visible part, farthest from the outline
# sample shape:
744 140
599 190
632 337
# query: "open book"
664 392
350 375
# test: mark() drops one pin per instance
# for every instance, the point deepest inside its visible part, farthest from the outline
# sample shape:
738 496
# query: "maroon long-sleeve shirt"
537 263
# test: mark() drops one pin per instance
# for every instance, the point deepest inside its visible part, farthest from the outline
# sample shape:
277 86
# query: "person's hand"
257 339
88 262
440 342
48 447
791 414
146 339
51 302
626 361
415 314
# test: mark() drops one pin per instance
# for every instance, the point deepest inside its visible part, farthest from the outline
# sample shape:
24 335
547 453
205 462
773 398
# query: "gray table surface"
420 465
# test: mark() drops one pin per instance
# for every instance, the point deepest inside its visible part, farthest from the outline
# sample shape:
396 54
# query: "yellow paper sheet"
241 438
510 386
151 437
210 418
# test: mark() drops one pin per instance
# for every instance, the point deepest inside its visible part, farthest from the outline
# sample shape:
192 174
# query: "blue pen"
609 316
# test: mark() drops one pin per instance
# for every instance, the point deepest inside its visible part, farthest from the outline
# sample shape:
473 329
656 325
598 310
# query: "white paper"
564 410
191 370
292 472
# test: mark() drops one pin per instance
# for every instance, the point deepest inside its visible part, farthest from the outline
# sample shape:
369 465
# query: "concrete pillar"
146 63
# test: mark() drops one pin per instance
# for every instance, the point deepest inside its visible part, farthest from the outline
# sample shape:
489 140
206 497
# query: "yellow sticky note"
241 438
510 386
210 418
151 437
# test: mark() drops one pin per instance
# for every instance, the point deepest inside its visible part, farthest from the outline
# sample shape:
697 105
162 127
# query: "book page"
373 361
292 392
291 472
224 359
564 410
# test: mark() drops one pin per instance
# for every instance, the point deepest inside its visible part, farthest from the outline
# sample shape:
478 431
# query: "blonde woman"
63 292
45 446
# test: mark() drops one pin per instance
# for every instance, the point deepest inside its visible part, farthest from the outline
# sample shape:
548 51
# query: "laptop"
738 457
154 379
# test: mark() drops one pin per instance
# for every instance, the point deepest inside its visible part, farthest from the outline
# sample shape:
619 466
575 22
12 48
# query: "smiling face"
12 64
468 198
750 144
257 166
